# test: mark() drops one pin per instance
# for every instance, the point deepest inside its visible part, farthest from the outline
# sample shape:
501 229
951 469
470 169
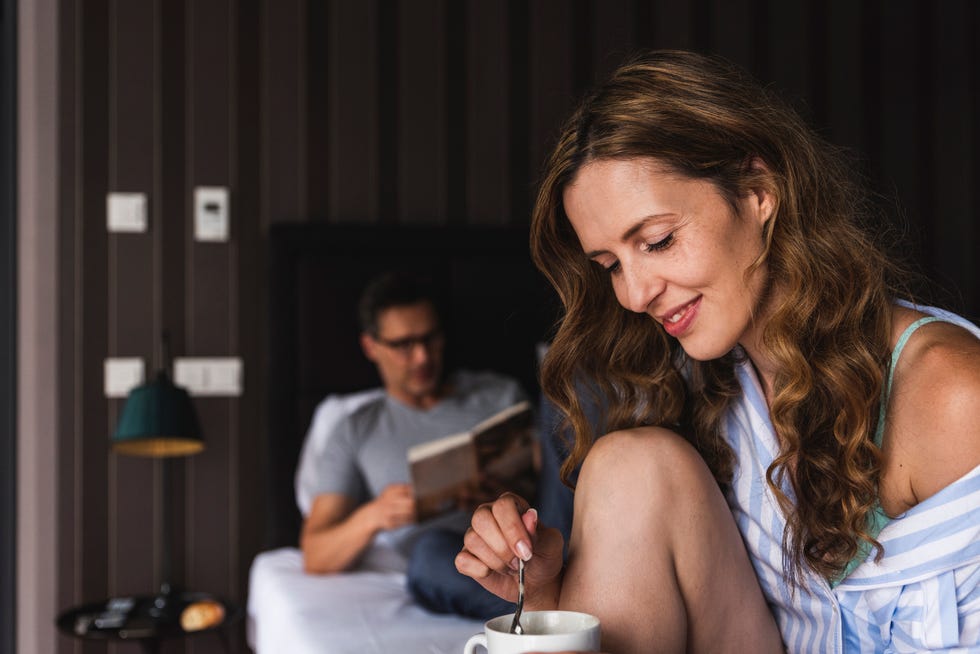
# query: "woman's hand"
499 534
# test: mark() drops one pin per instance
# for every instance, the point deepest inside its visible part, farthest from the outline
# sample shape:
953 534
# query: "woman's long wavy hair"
828 315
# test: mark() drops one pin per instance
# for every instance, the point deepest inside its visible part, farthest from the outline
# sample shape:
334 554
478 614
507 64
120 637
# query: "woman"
795 452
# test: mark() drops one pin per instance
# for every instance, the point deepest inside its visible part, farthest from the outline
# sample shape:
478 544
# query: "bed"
500 310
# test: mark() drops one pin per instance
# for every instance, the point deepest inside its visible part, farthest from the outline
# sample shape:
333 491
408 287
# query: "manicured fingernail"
533 513
523 550
514 565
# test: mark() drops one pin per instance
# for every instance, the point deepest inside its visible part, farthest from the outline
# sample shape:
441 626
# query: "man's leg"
435 583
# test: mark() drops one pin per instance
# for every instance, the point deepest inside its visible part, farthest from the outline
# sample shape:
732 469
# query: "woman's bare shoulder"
933 422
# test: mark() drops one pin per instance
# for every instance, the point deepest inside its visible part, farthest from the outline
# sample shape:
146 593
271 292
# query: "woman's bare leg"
656 554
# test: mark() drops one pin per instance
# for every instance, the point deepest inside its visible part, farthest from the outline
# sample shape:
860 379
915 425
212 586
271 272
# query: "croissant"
202 615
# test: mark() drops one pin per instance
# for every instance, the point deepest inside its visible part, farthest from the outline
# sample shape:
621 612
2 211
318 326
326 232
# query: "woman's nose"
640 288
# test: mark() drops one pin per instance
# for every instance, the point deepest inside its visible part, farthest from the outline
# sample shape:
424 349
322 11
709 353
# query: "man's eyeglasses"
404 346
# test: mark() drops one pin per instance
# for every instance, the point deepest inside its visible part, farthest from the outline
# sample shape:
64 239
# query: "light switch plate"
122 374
126 212
209 376
211 213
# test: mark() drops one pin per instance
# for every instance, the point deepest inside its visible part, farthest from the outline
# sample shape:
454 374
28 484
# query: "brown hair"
828 327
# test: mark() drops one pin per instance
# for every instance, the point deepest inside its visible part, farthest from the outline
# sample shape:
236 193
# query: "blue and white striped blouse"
924 594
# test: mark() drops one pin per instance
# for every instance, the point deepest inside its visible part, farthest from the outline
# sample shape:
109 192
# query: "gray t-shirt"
368 449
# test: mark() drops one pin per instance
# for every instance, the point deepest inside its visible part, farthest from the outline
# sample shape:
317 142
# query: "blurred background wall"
374 112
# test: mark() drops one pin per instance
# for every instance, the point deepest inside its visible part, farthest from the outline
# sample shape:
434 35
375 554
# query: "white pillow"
328 413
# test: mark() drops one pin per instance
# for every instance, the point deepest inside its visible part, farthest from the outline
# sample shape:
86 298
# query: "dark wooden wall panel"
900 137
788 66
734 30
422 119
613 35
90 306
845 101
952 135
134 533
248 426
488 96
353 127
387 112
551 78
69 207
672 23
282 73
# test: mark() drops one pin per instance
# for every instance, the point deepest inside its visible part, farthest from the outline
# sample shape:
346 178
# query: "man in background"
363 489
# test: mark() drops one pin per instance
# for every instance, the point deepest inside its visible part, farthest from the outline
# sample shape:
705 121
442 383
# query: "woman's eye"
662 244
610 268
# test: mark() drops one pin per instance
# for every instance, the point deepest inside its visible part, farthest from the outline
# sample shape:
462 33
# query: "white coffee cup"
544 631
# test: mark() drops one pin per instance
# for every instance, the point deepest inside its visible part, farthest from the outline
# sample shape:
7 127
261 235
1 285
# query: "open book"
499 452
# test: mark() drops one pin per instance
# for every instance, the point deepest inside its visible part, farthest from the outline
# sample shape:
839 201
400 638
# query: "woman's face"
674 249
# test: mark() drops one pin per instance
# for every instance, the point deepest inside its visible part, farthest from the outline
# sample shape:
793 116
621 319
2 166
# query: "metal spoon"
515 626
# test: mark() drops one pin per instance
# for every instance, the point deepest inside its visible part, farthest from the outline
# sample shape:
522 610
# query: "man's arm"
336 532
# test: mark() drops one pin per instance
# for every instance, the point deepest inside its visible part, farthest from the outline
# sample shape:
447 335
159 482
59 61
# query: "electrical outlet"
209 376
121 375
126 212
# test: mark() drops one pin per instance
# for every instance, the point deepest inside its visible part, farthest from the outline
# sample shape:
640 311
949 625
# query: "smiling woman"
788 430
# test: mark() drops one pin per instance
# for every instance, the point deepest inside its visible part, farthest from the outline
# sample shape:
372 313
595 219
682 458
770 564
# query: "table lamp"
158 421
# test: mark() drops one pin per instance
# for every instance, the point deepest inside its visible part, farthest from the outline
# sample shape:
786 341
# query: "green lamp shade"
158 420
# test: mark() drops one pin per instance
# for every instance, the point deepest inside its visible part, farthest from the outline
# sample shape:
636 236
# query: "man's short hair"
395 289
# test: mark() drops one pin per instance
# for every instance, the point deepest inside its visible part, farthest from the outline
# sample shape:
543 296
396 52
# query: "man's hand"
394 507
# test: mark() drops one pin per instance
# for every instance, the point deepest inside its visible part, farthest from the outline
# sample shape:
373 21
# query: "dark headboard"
499 308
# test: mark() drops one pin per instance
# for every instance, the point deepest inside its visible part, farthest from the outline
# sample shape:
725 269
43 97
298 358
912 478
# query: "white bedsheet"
363 612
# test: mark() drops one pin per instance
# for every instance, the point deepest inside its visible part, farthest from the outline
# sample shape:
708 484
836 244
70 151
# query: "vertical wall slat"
788 47
317 87
845 91
732 30
899 123
421 153
353 127
551 81
488 125
91 518
70 206
672 23
171 201
284 110
614 36
951 140
134 561
251 318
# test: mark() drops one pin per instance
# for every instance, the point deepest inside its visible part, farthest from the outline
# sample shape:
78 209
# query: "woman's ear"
762 197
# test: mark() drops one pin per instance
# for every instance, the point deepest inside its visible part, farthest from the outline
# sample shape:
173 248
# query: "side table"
147 619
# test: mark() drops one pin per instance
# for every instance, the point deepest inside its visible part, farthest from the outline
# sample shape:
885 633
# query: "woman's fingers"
500 526
507 512
477 545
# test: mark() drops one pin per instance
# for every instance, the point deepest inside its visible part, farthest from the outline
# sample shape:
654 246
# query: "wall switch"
211 213
213 376
126 212
121 375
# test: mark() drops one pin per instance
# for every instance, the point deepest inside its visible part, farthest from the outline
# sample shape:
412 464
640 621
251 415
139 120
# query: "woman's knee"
652 459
